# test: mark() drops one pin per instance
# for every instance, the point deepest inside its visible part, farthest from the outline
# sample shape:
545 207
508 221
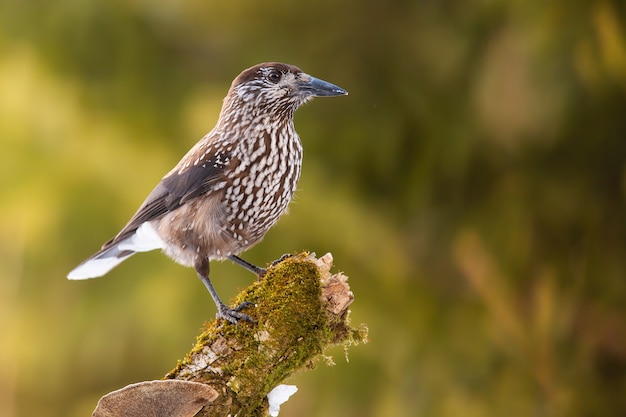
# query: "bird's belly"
196 230
228 224
249 202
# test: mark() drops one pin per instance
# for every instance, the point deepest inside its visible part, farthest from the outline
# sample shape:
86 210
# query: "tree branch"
301 309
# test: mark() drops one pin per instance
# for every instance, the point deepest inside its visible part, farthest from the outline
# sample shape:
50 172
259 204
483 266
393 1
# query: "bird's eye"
274 76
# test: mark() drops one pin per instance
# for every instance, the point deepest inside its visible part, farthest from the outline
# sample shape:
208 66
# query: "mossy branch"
301 309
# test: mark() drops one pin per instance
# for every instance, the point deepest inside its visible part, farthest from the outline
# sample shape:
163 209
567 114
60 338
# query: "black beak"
320 88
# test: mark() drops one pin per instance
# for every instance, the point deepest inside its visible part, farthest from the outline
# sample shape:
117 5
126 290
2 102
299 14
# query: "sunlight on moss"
291 332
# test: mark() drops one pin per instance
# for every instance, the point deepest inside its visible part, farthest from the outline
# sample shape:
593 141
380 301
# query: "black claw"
261 273
282 258
244 305
233 315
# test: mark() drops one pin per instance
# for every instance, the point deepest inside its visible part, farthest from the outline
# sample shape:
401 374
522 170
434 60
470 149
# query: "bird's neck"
242 115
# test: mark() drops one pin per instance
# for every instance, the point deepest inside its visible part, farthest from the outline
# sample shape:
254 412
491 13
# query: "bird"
230 188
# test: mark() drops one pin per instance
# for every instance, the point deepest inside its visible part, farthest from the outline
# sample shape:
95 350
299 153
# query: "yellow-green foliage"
472 185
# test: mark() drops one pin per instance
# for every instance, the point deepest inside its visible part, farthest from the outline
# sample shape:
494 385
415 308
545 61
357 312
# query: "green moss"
291 329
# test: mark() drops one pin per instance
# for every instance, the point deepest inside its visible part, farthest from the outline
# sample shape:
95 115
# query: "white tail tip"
95 267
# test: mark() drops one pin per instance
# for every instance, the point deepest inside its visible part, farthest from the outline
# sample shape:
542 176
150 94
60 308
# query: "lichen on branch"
300 310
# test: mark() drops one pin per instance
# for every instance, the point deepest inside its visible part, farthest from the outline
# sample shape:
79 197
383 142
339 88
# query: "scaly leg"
257 270
233 315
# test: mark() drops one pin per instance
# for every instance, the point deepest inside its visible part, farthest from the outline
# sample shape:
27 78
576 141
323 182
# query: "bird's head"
279 87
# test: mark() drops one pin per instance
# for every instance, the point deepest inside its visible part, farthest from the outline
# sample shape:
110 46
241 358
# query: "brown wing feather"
174 190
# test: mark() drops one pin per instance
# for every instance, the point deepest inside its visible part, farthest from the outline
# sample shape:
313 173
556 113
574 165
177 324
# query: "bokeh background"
472 185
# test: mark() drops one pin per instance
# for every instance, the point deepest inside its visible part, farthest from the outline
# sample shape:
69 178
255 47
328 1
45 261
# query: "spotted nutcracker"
230 188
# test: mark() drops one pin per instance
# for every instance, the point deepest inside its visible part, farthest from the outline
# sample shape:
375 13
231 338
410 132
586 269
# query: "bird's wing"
175 189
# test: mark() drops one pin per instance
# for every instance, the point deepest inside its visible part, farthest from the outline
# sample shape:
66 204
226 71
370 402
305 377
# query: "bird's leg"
233 315
257 270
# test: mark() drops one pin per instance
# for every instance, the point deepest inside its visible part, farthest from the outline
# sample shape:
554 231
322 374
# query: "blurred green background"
472 185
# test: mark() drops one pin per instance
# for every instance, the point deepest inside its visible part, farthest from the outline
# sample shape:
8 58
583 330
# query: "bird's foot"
282 258
260 273
233 315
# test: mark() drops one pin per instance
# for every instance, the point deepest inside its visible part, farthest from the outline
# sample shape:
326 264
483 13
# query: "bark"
300 310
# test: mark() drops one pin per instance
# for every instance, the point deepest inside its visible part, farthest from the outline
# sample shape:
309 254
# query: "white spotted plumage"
231 187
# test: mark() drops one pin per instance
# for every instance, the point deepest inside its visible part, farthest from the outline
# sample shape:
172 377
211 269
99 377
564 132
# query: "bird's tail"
117 251
100 263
